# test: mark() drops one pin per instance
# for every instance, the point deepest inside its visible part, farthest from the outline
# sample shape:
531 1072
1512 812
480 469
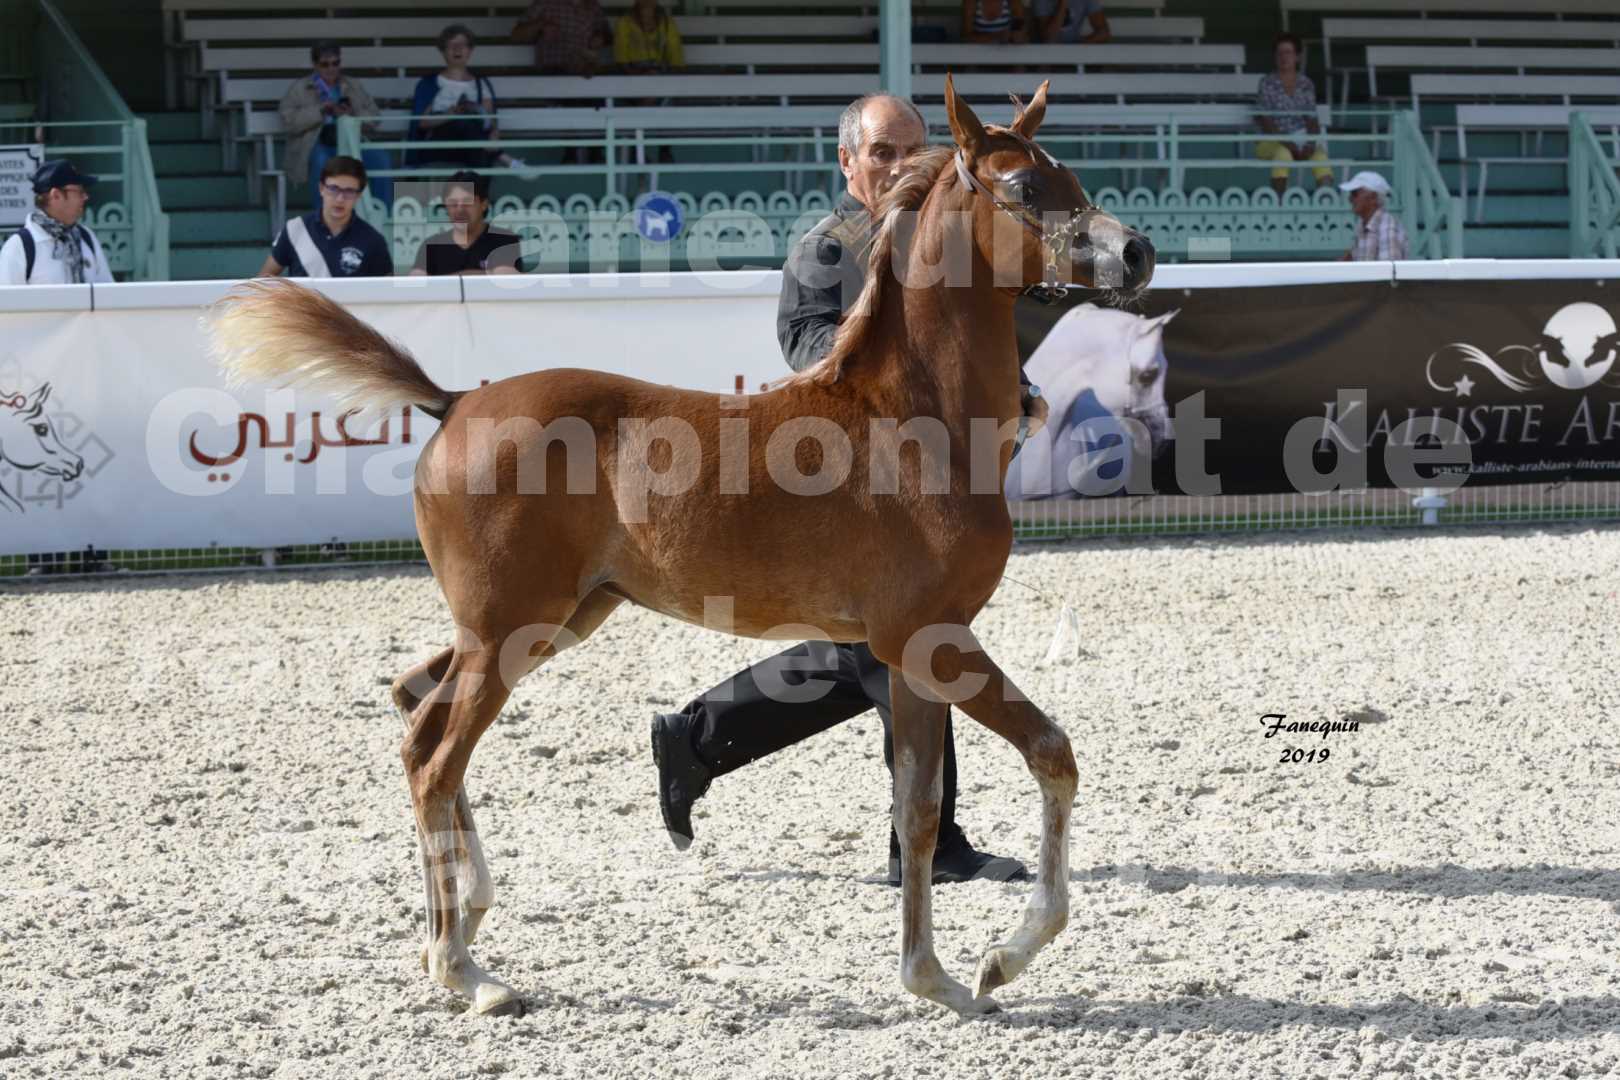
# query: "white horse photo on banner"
1102 373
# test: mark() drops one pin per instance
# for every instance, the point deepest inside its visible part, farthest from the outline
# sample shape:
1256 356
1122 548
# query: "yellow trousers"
1276 151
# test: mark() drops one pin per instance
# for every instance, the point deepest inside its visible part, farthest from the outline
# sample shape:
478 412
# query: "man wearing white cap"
1380 236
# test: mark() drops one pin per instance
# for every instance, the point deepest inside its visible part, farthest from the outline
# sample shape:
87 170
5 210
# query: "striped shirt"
992 24
1380 238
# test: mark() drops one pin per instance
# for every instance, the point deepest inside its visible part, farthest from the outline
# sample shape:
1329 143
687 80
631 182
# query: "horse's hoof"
992 976
515 1008
982 1006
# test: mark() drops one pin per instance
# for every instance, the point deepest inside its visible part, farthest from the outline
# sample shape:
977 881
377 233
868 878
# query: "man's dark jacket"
822 277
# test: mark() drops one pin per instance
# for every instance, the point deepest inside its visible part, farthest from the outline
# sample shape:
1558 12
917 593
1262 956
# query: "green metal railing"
1433 216
1158 166
83 108
1594 194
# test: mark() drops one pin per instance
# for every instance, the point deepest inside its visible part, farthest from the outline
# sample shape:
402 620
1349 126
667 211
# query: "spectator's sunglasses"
330 61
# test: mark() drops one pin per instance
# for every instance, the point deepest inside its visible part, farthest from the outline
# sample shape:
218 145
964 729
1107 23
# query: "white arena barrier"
153 452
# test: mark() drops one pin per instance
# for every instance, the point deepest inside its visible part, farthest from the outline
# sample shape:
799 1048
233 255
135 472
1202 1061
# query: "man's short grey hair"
850 129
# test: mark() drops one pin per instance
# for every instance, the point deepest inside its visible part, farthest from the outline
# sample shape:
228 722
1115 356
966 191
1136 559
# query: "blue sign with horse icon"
658 217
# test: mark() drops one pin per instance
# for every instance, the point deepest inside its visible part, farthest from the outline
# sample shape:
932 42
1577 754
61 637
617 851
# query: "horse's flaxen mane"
922 173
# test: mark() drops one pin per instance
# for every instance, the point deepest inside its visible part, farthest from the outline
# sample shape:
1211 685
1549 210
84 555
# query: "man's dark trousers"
777 702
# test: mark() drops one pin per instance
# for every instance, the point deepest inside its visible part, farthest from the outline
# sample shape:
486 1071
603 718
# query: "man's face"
1365 202
338 196
66 204
463 206
330 67
889 132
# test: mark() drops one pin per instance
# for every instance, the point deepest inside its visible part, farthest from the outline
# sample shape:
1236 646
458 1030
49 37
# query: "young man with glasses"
331 241
54 247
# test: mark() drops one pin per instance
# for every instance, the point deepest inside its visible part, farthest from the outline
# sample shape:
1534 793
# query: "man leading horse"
816 685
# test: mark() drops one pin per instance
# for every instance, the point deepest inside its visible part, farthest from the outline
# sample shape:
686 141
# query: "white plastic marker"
1065 638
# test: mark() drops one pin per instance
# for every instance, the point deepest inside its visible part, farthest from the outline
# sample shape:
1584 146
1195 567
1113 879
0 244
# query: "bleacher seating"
757 57
718 29
1550 8
1519 32
1516 60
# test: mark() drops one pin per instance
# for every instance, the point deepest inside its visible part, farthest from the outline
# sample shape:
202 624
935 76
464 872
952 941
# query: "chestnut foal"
671 499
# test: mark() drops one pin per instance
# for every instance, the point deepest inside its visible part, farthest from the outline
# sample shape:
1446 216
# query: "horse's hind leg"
919 753
414 685
409 690
968 677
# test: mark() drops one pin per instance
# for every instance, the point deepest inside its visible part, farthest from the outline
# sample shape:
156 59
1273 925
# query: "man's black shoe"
955 861
682 777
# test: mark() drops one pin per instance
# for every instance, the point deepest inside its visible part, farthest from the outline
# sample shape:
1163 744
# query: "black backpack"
28 247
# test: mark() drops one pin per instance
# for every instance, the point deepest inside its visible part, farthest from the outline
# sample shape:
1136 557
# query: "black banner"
1495 381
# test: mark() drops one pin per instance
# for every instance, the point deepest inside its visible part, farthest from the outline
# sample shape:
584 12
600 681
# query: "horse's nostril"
1138 257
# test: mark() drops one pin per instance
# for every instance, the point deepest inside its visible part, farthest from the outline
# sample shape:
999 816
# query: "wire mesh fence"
1043 520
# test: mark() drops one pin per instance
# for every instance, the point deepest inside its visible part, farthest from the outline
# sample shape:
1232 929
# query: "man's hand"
1034 407
328 108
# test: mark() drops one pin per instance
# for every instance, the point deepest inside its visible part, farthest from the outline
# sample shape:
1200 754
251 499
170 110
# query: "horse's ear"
1030 116
965 127
37 402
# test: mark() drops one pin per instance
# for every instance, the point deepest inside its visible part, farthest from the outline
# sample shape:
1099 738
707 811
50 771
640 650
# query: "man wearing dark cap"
53 247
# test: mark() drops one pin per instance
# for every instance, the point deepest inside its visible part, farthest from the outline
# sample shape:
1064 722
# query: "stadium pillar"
895 40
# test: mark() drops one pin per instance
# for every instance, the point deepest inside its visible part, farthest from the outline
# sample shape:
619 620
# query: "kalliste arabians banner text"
1527 373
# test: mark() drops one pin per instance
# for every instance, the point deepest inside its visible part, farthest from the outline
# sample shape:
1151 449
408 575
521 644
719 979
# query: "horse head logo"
1578 346
28 442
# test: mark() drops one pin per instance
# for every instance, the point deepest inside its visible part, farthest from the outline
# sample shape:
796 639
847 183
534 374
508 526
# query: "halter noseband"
1055 243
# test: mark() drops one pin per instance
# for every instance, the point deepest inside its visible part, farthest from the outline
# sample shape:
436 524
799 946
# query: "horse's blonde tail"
272 330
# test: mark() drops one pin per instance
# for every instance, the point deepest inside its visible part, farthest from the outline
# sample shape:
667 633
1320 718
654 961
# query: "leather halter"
1055 243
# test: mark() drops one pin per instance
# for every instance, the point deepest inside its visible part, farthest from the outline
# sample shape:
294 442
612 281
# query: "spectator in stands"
456 105
993 21
1070 22
646 41
309 112
568 35
331 241
54 247
469 246
1289 97
1380 236
748 717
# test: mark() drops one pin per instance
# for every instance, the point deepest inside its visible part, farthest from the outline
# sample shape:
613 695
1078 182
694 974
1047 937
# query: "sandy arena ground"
208 866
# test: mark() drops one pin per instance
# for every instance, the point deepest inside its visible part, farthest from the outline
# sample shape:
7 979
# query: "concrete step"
1549 208
1507 176
220 225
184 158
172 125
208 189
203 262
1515 242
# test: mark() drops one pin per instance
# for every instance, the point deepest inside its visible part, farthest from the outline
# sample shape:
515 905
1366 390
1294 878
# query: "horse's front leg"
919 753
961 672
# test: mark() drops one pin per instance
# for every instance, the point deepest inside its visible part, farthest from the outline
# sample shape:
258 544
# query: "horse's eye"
42 430
1149 377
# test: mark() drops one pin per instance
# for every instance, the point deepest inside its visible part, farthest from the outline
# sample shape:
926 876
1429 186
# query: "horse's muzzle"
1139 259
